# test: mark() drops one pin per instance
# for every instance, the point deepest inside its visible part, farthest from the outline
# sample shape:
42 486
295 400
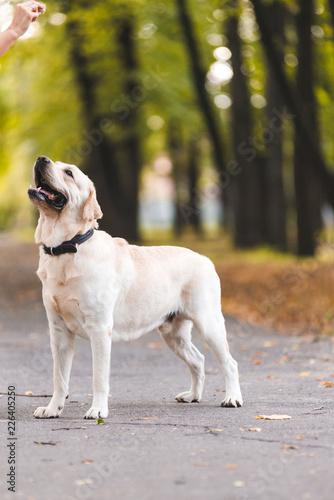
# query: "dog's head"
62 191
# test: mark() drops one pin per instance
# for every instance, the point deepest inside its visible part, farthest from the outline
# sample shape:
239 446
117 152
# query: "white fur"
110 290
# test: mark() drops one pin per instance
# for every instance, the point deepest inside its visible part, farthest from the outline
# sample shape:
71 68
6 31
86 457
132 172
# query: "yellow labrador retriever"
103 289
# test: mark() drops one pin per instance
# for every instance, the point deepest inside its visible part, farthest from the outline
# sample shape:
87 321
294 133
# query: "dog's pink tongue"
49 195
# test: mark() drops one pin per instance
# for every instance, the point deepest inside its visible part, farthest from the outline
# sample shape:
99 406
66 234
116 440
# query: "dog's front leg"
101 348
62 347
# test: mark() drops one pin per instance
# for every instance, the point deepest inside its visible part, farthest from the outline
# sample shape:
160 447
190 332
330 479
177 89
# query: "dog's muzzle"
43 191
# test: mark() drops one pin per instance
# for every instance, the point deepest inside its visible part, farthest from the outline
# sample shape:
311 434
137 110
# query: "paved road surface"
151 447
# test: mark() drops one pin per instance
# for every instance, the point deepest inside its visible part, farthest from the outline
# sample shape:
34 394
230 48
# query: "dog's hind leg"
211 327
176 332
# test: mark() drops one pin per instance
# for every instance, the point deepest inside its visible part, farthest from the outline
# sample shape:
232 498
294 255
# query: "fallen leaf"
326 384
283 359
290 447
299 437
319 379
68 428
45 443
86 461
239 484
270 343
273 417
255 429
215 430
258 355
305 374
99 421
80 482
146 418
231 466
270 376
258 362
155 345
29 393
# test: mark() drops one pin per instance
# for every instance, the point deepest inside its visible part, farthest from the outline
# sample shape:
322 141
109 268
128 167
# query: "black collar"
69 246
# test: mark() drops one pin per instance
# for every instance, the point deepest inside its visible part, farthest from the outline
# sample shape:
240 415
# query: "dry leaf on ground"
326 384
155 345
273 417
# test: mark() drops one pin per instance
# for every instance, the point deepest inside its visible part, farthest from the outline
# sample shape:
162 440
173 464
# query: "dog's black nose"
43 159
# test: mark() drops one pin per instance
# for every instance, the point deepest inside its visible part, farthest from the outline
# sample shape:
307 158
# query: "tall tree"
113 164
307 186
193 185
199 79
301 123
175 145
275 208
247 185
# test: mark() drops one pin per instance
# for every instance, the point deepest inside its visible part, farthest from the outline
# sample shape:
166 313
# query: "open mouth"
44 192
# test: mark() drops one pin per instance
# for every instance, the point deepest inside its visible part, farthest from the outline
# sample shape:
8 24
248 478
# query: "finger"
35 6
28 4
41 7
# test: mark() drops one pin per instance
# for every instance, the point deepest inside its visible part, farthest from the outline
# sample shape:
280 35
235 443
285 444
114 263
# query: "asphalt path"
151 447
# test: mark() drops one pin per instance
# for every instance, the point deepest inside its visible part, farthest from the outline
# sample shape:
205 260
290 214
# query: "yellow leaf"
326 384
305 374
155 345
273 417
146 418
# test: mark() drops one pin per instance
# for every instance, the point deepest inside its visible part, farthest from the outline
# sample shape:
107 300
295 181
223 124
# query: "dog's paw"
232 402
188 397
47 412
96 413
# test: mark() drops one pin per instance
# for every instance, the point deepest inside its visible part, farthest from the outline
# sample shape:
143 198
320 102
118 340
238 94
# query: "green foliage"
42 110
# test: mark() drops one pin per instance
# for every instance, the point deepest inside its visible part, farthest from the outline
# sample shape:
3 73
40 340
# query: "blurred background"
203 122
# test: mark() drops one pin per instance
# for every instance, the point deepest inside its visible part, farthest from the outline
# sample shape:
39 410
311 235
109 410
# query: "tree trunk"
113 167
199 78
307 186
331 6
193 176
175 147
130 149
275 213
247 184
300 121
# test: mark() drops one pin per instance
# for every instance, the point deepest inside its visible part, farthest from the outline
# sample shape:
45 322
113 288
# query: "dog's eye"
69 173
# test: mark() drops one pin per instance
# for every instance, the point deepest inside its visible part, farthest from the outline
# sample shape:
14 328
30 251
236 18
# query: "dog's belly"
84 317
126 331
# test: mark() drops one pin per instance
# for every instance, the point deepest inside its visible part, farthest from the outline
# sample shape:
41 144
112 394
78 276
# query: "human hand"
25 14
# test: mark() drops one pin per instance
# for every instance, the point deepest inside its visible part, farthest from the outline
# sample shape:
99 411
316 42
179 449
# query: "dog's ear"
92 210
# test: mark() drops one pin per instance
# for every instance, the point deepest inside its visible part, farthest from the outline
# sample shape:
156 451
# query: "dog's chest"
69 299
